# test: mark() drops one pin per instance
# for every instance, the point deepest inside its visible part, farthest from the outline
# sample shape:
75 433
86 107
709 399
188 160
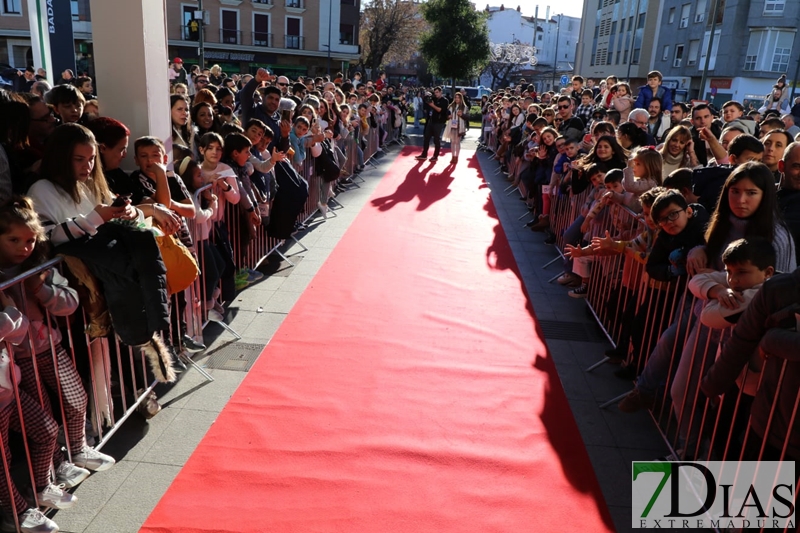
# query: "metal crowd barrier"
647 319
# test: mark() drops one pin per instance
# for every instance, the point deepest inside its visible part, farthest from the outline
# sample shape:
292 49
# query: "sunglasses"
283 84
201 81
564 106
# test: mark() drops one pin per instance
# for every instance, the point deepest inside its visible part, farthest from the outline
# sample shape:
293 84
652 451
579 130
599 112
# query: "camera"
428 98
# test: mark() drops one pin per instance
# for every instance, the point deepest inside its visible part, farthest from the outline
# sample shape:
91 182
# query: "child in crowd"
580 228
618 194
749 262
206 206
643 171
68 103
584 256
162 186
44 295
76 207
636 252
622 101
237 156
680 231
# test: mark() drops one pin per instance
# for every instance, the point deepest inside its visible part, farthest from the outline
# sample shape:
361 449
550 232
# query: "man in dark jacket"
268 111
789 191
702 118
436 114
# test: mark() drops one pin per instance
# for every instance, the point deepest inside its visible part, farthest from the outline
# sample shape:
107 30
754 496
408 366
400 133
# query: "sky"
572 8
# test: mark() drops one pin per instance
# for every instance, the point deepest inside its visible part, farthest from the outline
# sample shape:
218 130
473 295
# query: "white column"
40 36
130 58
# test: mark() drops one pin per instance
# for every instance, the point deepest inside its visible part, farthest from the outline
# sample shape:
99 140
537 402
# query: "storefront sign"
229 56
721 83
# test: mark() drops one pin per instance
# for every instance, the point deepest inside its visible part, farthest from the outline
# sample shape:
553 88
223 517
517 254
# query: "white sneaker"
93 460
54 497
70 475
31 521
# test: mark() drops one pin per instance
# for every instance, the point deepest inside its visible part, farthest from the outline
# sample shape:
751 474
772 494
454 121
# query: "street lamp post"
330 16
555 59
201 53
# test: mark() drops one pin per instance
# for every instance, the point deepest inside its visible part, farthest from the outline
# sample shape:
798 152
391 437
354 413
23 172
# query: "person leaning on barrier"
769 325
75 203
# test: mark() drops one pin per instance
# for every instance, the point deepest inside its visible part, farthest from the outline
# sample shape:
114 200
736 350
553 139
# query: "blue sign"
564 79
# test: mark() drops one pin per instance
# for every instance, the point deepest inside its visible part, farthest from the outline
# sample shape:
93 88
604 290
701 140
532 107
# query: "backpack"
325 163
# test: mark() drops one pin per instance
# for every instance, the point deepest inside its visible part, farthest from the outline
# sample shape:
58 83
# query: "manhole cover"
569 331
238 356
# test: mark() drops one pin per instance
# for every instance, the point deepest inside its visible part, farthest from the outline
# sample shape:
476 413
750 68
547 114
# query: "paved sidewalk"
150 454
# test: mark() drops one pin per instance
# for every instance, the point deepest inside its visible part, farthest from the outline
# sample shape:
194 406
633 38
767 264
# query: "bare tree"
508 58
389 32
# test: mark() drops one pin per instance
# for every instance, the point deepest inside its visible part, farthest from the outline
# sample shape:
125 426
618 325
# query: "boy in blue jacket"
653 88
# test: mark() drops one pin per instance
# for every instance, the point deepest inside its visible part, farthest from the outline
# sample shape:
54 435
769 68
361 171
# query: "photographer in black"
436 114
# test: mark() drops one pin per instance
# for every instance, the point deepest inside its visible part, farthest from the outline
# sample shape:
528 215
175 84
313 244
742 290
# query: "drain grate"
569 331
237 356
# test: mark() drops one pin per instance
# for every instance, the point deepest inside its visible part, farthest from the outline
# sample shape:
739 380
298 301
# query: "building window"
348 2
769 50
12 7
73 6
678 56
293 38
229 28
261 36
346 33
190 27
774 7
671 19
700 14
665 53
635 56
694 47
685 15
780 59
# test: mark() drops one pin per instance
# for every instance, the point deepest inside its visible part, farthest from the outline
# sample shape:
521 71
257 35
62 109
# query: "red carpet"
407 391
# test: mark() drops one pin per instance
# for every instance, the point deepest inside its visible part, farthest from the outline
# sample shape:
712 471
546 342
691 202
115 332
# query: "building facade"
618 37
292 37
555 38
754 43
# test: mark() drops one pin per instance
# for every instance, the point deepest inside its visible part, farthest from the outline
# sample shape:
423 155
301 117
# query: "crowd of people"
717 196
243 152
706 205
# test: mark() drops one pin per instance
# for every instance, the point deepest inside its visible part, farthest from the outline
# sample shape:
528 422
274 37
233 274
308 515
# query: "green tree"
456 44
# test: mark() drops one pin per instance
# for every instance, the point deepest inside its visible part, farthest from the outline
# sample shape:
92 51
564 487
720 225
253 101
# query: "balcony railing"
299 4
264 2
229 36
294 42
262 39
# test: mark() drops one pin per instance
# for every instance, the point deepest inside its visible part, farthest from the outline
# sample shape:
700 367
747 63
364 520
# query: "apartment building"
754 43
292 37
554 36
618 37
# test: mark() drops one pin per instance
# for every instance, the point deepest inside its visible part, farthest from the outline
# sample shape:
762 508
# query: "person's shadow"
430 191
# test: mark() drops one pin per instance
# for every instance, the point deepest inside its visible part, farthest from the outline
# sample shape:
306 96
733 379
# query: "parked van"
475 93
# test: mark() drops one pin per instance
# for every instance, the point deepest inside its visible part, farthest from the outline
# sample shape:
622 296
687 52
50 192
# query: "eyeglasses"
283 84
564 106
672 216
201 81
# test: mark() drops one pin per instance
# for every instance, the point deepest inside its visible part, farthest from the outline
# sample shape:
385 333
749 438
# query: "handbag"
180 264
